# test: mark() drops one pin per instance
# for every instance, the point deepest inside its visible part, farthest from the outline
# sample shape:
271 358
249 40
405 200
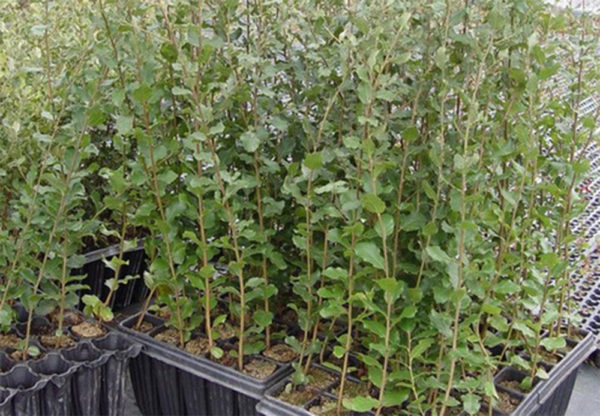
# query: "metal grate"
581 6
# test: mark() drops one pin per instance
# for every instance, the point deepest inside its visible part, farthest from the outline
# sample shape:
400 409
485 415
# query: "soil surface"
327 329
226 360
281 353
57 342
320 379
507 403
225 331
70 318
327 407
19 355
298 396
259 369
170 336
163 313
197 346
145 327
551 357
352 389
9 340
512 385
88 329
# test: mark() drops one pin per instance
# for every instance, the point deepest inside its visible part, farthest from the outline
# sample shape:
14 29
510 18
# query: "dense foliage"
405 168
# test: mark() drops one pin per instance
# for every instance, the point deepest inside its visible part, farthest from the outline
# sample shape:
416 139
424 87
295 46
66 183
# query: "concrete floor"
131 408
585 400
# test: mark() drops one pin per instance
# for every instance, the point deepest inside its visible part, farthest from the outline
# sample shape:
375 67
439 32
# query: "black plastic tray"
96 274
84 379
183 383
270 405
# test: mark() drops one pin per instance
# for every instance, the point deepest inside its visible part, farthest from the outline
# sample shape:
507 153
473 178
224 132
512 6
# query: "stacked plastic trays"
96 274
586 280
86 379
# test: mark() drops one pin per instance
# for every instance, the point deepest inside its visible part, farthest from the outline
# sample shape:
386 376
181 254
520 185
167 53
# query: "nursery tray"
185 383
97 273
271 405
84 379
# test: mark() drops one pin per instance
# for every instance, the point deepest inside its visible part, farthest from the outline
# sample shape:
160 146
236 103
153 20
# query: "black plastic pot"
96 274
6 363
6 408
183 383
56 396
112 391
87 381
39 326
22 388
145 387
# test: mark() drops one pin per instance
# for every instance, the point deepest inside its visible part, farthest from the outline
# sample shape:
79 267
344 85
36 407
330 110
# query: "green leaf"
338 351
431 194
142 94
336 187
441 57
413 222
395 397
90 300
263 318
332 292
387 223
370 253
441 322
437 254
430 229
470 403
167 177
411 133
336 273
553 343
313 161
5 318
375 327
105 313
372 203
408 312
250 141
38 30
169 52
112 284
464 163
364 93
33 351
178 91
351 142
360 403
507 287
216 352
421 347
491 309
96 116
452 270
124 125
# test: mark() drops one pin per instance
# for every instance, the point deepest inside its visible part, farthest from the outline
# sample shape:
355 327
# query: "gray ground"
585 400
131 408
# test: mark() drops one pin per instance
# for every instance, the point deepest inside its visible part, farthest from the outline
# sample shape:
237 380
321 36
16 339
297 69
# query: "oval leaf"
370 253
